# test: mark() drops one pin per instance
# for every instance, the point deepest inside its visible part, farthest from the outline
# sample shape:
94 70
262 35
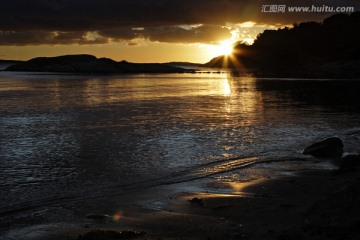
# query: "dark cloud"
158 17
201 34
121 33
77 38
23 38
171 34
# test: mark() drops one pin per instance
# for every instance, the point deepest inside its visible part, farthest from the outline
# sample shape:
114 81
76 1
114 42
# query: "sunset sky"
141 30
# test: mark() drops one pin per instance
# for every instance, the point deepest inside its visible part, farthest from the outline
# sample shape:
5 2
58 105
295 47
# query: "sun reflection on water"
226 87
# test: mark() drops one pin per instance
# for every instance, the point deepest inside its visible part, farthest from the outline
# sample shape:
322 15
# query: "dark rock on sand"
328 148
350 162
110 235
337 216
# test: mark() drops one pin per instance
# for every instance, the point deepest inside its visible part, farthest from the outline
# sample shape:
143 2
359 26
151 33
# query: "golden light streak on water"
117 216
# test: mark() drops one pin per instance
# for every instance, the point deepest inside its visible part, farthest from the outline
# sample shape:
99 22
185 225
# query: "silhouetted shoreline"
318 50
90 64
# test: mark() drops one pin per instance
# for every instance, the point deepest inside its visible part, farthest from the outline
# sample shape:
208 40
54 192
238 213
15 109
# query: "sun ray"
224 47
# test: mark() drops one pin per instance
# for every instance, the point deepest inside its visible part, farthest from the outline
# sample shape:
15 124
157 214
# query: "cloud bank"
34 22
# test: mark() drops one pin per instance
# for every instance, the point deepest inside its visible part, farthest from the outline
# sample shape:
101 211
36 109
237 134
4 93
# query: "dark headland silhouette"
309 49
90 64
7 63
329 49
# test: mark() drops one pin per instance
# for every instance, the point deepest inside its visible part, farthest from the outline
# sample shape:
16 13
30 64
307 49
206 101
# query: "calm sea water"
67 139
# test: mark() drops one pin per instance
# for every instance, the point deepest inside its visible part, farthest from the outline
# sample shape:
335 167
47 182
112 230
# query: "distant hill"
7 63
309 49
186 64
90 64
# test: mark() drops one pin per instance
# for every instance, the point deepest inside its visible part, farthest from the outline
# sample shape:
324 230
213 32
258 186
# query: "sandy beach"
275 208
310 204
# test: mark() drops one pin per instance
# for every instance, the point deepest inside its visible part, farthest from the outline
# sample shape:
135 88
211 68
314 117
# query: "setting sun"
156 119
223 48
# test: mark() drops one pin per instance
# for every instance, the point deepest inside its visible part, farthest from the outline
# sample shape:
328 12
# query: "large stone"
328 148
350 162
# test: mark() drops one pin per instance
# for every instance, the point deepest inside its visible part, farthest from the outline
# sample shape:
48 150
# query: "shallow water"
66 139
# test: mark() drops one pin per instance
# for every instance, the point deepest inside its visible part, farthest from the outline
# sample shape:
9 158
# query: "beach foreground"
311 204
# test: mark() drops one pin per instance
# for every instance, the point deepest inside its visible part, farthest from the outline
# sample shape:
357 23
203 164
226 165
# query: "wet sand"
275 208
282 207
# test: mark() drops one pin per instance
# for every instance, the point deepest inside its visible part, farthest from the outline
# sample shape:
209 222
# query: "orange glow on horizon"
143 50
224 48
